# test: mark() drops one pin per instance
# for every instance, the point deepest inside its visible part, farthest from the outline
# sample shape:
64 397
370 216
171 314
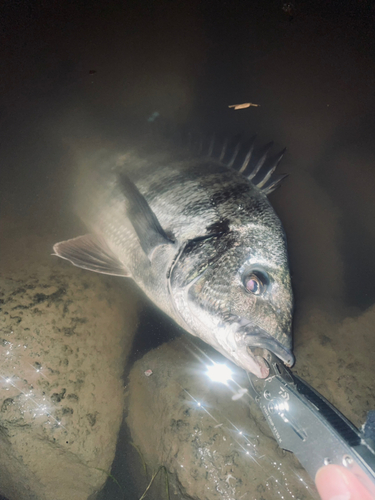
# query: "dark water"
81 73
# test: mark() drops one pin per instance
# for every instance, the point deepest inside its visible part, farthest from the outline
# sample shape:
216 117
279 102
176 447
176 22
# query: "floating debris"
244 105
148 373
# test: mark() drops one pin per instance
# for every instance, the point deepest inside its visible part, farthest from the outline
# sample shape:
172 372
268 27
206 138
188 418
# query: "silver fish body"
202 241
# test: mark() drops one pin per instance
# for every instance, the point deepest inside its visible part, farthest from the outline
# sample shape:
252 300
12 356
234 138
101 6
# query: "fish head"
234 292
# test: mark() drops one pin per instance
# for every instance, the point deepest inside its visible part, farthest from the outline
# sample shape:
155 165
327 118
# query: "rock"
213 447
64 338
336 357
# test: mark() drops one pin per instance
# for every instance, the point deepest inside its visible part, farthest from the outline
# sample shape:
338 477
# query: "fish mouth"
259 338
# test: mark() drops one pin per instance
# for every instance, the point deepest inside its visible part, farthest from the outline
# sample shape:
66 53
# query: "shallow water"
313 78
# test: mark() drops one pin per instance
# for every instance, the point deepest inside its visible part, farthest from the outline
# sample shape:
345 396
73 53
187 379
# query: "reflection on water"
69 339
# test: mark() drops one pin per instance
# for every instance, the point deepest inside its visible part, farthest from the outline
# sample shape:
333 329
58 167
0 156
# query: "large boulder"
213 446
65 335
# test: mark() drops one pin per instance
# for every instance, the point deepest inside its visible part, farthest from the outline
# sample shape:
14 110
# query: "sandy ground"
65 337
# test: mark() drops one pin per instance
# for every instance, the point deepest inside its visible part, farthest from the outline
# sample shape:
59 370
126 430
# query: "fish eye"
255 283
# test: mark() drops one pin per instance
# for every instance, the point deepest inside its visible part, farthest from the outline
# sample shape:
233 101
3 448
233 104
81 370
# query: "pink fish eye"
254 283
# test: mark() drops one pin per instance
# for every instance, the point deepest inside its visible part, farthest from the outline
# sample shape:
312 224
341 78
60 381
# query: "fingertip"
334 482
331 483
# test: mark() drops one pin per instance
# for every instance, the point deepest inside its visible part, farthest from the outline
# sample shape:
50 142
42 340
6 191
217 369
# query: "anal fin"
92 253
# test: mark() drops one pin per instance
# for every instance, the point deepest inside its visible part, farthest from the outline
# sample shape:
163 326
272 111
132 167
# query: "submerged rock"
65 335
212 446
335 355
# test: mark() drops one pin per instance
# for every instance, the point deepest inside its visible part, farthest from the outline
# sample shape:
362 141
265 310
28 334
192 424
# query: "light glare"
219 373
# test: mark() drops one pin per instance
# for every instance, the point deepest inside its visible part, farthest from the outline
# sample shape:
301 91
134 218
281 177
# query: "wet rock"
213 447
64 338
335 355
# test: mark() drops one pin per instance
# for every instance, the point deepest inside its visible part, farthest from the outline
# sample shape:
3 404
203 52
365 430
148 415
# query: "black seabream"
199 236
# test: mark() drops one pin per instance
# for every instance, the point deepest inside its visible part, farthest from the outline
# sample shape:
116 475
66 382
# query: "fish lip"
261 338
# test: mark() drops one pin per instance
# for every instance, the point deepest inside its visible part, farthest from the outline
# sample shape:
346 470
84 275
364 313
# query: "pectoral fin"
90 252
145 223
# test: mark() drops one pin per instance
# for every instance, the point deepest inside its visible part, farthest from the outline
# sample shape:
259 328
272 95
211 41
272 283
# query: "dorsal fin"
265 174
211 145
251 171
234 155
249 154
224 149
240 156
273 183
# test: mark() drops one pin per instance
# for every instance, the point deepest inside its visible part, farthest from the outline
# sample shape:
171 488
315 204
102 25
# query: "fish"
194 228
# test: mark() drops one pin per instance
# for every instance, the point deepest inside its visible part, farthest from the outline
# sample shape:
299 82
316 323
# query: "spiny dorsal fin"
240 157
145 223
211 146
224 149
251 171
273 183
234 155
249 153
265 174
